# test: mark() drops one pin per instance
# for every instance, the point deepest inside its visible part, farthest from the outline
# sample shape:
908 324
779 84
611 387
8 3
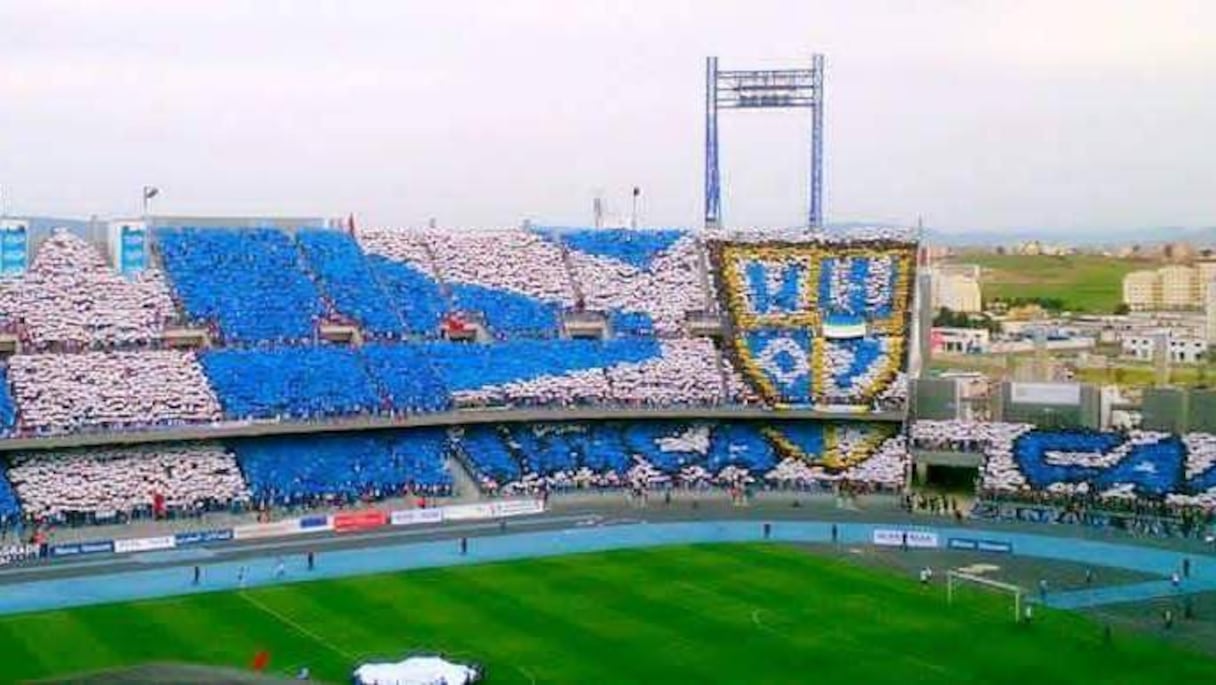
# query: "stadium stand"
95 391
1107 468
107 485
348 281
339 469
250 283
531 457
645 280
71 299
10 508
8 412
263 293
818 322
406 376
291 382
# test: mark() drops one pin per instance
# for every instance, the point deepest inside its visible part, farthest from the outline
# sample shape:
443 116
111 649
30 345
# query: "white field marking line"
764 626
527 674
298 628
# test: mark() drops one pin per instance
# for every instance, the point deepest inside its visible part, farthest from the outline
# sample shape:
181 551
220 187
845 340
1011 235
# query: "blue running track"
223 575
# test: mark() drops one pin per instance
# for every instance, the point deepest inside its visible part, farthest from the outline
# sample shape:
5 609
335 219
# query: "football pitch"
745 613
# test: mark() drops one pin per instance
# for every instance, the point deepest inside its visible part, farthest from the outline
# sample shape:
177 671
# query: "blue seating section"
294 470
248 281
784 299
508 452
489 455
296 382
347 280
470 366
509 314
783 356
542 449
866 352
741 445
416 296
1153 469
10 506
317 381
631 324
1204 481
8 411
637 248
854 295
405 374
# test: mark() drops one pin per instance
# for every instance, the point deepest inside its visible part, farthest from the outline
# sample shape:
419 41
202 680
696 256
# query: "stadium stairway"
464 486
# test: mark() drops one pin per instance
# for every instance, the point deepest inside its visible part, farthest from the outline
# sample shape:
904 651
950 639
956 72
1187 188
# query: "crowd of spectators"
70 299
1121 471
107 391
251 283
653 454
87 486
262 294
343 469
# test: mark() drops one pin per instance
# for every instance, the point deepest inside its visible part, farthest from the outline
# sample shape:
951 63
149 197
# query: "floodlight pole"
763 89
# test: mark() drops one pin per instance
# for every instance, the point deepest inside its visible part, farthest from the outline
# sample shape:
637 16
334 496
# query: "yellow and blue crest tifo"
817 324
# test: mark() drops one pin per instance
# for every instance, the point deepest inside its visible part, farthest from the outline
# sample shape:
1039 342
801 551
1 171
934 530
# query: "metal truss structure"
763 89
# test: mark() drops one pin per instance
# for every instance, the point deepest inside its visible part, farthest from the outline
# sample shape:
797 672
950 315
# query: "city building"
1142 290
1209 312
956 289
1180 349
1171 287
959 340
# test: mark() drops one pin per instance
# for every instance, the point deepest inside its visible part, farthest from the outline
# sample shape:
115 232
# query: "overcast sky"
977 115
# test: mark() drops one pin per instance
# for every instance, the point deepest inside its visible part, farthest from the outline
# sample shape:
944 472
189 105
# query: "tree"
1122 309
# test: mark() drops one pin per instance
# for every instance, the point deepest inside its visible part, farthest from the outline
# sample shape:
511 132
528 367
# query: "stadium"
284 449
224 442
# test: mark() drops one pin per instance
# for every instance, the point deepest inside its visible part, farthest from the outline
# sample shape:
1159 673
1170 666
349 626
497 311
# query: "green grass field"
705 614
1087 283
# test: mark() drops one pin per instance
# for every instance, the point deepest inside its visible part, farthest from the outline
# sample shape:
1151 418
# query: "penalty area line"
297 627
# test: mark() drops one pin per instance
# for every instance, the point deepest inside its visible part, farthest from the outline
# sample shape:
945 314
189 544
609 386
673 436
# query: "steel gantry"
763 89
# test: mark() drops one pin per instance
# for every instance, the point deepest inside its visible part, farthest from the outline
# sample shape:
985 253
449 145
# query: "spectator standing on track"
903 544
464 546
835 534
1186 567
198 575
240 577
768 530
1043 589
311 560
280 569
1167 618
1089 576
1175 581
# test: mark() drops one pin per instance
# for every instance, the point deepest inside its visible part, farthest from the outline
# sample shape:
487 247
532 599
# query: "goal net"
957 579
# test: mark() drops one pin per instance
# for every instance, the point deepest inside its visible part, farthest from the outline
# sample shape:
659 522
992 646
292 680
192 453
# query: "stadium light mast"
763 89
149 192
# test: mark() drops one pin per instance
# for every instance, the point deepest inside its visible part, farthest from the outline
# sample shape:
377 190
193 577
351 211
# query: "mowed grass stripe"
603 608
492 628
760 613
715 629
595 640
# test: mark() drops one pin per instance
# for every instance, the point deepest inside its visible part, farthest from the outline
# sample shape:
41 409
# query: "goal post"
959 578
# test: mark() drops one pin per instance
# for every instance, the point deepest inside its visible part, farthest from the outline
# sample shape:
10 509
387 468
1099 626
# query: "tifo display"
814 322
184 479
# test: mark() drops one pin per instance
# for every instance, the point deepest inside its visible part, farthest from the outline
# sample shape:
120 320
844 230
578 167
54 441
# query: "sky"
1065 115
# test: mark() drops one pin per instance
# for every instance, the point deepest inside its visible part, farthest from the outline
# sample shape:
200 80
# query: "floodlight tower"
763 89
